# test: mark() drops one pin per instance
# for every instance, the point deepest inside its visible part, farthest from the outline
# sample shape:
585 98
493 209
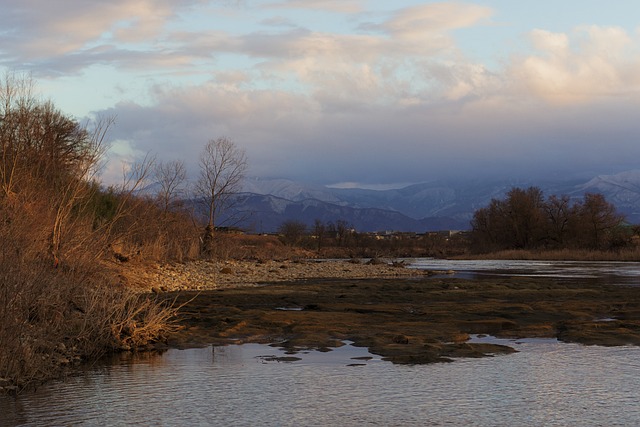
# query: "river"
546 383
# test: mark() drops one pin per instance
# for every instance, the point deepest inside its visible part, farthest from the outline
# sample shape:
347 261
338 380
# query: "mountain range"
264 204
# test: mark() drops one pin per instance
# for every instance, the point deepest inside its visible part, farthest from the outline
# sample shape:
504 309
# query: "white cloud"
554 43
119 157
339 6
60 27
589 64
433 21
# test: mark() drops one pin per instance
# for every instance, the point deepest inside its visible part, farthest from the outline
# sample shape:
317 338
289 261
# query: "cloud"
338 6
49 31
588 64
401 103
399 61
395 99
434 21
294 136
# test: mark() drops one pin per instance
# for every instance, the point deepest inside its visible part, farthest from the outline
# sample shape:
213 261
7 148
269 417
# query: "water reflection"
546 383
619 273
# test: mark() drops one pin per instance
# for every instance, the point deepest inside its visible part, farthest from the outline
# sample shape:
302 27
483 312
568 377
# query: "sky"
364 93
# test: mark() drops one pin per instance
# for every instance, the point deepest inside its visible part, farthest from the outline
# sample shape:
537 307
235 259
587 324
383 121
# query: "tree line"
335 239
524 219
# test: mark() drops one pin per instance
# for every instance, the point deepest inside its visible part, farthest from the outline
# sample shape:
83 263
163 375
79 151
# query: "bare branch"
171 177
222 169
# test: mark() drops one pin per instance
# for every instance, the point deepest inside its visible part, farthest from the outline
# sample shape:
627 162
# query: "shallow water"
609 272
546 383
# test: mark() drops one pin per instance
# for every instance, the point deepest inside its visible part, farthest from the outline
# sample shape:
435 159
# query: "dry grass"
64 309
57 301
255 247
53 318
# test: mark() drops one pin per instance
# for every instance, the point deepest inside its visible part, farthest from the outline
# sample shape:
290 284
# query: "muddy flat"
409 320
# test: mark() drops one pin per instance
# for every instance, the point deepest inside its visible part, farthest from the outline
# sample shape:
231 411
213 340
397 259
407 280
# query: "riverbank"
411 319
130 312
209 275
405 315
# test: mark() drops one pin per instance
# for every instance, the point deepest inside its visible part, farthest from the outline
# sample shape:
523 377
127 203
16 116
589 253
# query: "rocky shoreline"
210 275
410 320
405 314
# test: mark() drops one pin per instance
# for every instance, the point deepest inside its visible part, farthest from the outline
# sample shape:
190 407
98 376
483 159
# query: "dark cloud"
287 136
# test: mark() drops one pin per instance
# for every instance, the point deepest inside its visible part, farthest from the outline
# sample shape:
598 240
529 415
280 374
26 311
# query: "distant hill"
264 213
431 206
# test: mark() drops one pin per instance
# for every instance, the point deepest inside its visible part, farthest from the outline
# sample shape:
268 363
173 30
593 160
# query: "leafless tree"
292 232
45 154
558 210
598 218
222 168
171 176
319 231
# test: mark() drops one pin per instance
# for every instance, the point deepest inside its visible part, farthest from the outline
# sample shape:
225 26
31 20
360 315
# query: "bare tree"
320 231
222 168
171 177
598 218
46 155
558 210
292 232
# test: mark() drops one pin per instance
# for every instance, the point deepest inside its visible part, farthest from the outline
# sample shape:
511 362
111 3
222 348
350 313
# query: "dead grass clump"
120 319
142 230
52 318
254 247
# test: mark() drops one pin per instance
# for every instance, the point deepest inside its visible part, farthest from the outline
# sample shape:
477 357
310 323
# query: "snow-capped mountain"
419 207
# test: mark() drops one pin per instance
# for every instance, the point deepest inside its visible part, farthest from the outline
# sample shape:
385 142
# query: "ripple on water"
546 383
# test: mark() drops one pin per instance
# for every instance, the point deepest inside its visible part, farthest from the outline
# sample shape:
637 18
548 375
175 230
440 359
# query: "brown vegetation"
340 240
59 298
525 220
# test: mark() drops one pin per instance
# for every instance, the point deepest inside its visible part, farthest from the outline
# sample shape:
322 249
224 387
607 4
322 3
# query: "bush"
59 297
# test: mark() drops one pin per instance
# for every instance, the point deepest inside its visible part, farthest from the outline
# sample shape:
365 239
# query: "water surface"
546 383
605 272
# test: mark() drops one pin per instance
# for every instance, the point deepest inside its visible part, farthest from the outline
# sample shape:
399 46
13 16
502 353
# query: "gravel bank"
202 275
